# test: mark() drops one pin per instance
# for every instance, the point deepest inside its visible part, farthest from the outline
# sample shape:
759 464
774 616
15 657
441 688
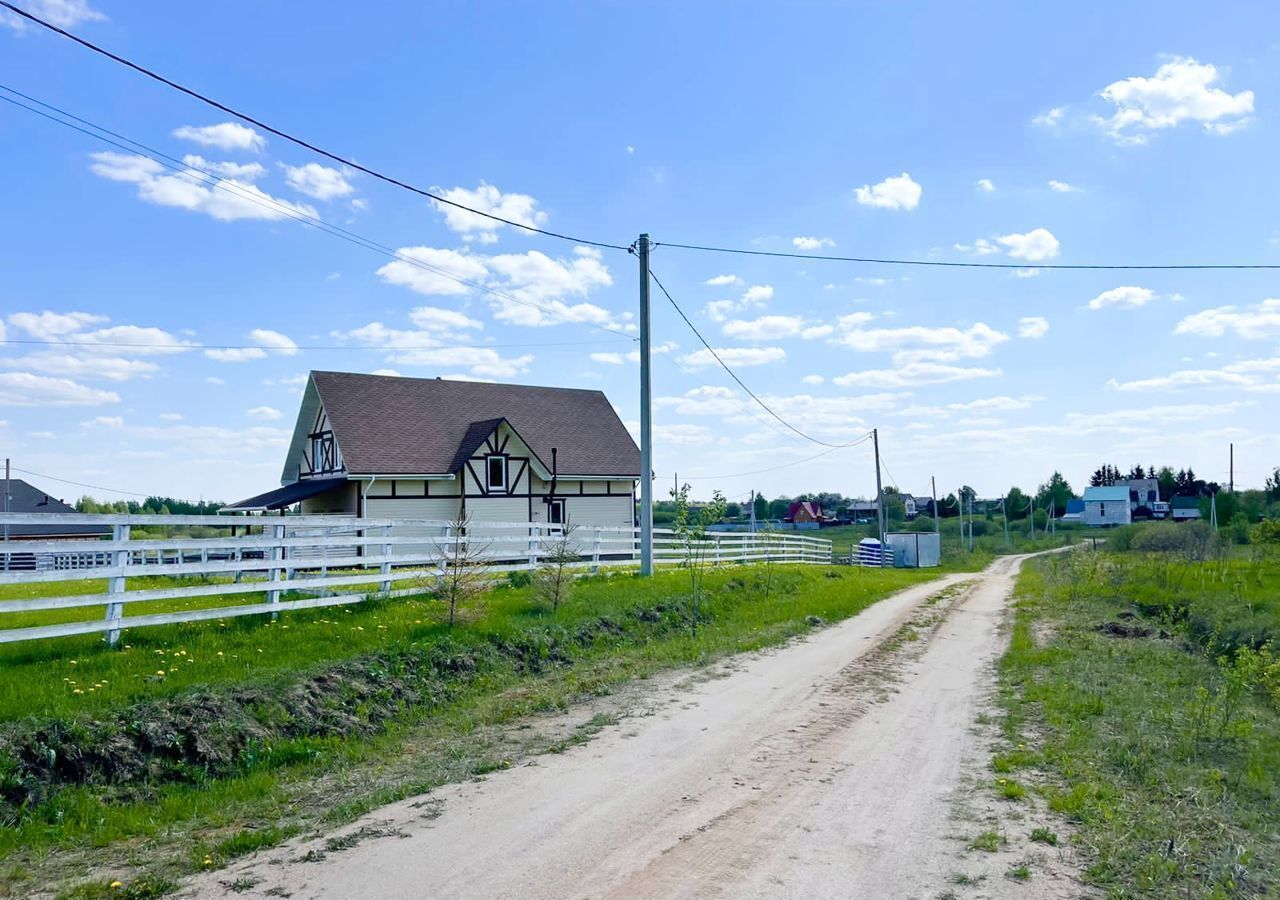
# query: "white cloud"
26 389
1185 412
51 325
897 192
225 199
986 185
1182 90
812 243
1036 245
434 271
315 180
238 171
171 417
986 405
214 380
1253 323
768 328
224 136
264 413
535 277
611 358
1033 327
980 247
722 280
1127 297
756 295
1260 375
920 343
735 356
1062 187
813 379
111 368
913 374
104 422
520 208
483 361
1050 119
63 13
430 317
266 341
682 435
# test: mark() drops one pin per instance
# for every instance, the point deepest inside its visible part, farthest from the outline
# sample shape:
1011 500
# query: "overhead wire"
734 375
789 465
889 261
280 133
96 487
216 182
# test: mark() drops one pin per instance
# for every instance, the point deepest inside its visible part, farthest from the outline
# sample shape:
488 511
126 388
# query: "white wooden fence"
305 562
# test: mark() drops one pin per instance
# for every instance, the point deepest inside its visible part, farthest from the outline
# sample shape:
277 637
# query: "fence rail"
267 564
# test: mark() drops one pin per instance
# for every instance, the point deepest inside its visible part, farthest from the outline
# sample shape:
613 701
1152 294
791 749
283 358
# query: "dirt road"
828 768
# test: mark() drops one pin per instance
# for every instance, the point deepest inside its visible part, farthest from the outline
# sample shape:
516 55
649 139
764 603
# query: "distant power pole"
6 513
1004 507
875 440
937 513
1231 484
646 416
753 512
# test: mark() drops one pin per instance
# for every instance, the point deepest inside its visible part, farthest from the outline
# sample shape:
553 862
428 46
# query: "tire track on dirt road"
825 768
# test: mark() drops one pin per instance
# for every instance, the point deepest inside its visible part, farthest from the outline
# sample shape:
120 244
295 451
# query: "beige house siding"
343 501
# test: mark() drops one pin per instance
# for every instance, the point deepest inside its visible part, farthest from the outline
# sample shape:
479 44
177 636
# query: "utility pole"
1231 484
6 513
937 513
646 416
875 440
1004 507
753 512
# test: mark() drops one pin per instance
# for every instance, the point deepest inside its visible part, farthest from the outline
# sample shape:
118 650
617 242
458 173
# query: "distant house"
805 514
1108 505
381 446
862 510
1185 508
1075 511
1144 494
26 498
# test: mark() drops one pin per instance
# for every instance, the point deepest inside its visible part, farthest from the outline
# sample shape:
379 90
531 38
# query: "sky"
162 307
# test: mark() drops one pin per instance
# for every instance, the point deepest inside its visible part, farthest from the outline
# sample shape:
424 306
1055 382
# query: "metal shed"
915 549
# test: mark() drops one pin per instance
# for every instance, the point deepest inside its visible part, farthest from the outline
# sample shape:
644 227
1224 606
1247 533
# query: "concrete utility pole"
1231 483
646 416
1004 508
937 513
753 512
6 512
875 440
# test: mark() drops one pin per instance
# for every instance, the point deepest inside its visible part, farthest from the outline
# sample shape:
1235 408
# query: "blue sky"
991 132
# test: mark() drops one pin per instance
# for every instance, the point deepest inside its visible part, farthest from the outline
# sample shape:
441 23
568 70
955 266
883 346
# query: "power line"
292 138
887 261
216 182
734 375
179 348
96 487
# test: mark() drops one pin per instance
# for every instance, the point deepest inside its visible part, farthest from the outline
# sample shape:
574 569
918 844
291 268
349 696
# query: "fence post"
273 595
115 611
595 552
715 544
386 560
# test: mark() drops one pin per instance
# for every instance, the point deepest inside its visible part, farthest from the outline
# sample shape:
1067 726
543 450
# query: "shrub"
1190 540
1267 532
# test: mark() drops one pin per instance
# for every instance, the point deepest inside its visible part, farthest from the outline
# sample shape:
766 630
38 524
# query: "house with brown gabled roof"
383 446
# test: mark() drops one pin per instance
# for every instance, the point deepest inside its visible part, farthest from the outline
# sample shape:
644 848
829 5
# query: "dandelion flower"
72 662
160 672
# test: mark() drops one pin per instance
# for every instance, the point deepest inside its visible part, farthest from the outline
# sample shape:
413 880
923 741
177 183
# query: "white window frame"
488 472
317 454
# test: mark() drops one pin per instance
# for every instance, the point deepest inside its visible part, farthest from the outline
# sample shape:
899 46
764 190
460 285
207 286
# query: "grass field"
519 659
988 540
1137 703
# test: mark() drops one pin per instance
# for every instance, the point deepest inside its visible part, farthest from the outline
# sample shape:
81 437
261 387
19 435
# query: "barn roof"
389 425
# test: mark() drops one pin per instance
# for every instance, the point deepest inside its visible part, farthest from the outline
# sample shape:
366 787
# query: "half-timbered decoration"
416 448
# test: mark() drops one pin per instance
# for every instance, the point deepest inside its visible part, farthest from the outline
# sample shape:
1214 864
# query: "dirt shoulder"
825 768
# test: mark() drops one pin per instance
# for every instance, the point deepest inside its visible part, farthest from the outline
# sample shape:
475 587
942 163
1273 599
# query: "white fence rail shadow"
274 563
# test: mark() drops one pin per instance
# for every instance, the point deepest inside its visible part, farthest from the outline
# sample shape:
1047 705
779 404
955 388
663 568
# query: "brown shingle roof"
387 425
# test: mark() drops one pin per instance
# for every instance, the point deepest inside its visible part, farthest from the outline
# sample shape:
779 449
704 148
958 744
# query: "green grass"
988 541
987 841
316 781
1163 750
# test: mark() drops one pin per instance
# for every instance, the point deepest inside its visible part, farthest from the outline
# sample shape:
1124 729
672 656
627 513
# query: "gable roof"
1112 493
27 498
1184 502
389 425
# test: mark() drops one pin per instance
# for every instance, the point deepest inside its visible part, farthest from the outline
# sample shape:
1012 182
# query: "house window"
495 468
317 454
555 512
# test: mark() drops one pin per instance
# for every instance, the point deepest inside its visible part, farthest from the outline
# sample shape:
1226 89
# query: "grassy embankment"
197 742
1142 698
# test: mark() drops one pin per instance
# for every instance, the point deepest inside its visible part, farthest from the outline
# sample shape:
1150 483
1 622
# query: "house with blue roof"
1107 505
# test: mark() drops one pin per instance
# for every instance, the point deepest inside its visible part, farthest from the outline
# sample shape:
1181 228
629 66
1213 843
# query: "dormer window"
495 468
